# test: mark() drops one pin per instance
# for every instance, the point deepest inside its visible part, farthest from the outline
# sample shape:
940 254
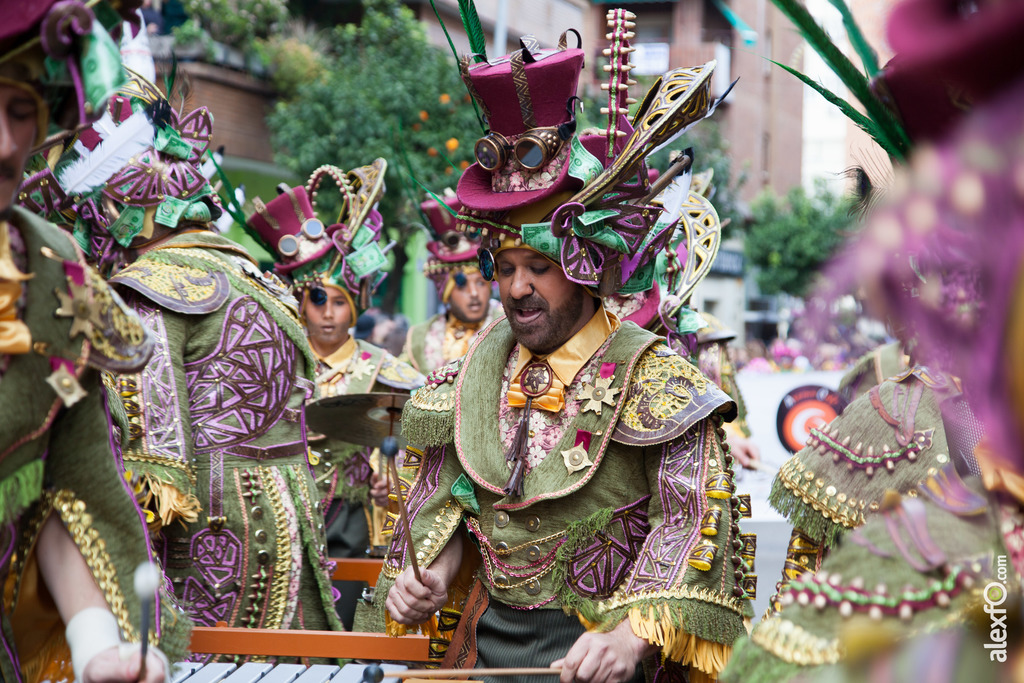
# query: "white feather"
673 196
120 143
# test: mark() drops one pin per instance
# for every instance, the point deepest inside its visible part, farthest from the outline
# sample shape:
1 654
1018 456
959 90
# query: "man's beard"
555 326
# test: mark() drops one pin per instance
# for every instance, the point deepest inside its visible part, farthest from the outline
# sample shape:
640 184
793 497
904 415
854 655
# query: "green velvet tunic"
218 436
629 512
918 569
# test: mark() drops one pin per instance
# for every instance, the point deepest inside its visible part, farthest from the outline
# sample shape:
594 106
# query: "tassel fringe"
677 644
167 502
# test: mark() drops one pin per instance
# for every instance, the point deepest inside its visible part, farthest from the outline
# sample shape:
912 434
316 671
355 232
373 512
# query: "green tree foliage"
384 91
790 238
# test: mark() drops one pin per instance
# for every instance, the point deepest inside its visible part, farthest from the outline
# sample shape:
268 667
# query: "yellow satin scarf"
565 362
15 337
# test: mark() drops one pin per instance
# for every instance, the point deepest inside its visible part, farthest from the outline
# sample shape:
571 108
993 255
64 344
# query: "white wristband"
91 631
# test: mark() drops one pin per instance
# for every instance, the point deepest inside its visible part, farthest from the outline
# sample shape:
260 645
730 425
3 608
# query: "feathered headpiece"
584 201
346 254
135 168
63 54
681 266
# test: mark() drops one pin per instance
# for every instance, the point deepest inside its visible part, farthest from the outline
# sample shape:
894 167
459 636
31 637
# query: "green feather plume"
865 123
479 118
888 131
475 31
860 44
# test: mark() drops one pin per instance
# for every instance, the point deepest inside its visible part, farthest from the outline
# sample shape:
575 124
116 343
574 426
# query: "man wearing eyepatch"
453 267
334 270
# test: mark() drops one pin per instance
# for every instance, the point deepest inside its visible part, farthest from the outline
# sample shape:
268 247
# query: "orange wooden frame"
271 643
351 569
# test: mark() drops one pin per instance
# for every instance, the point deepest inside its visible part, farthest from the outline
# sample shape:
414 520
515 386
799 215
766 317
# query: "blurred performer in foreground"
333 271
930 587
70 532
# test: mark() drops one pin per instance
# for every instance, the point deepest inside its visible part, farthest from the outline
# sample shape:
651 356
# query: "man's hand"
108 667
379 490
745 451
411 602
604 657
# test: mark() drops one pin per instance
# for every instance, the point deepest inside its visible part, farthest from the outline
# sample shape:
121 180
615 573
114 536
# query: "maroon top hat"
289 226
451 251
527 99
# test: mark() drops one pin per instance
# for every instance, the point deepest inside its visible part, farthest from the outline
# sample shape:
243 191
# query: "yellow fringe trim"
168 503
676 644
51 663
396 630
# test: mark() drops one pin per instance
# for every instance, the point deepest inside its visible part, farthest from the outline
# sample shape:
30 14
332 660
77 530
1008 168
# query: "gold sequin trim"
434 398
132 456
282 563
241 275
708 595
175 281
105 312
793 644
837 506
94 549
445 522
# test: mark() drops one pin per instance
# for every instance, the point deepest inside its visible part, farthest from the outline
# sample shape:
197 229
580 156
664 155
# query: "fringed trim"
804 516
427 428
751 664
578 535
677 644
20 490
396 630
166 502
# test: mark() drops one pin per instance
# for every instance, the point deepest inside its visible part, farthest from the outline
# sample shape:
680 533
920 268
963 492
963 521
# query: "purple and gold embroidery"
241 390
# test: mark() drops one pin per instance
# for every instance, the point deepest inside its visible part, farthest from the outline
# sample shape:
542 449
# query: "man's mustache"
528 302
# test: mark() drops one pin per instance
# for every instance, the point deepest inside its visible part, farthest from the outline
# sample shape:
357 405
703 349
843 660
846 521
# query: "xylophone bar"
192 672
271 643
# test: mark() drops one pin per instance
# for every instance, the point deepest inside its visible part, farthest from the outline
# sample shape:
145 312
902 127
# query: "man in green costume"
454 269
577 459
70 532
215 428
330 268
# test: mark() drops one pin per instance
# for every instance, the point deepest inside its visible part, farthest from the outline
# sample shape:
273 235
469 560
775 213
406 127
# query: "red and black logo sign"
803 409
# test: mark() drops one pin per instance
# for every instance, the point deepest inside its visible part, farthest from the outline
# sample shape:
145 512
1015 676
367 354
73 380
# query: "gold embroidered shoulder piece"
666 396
178 287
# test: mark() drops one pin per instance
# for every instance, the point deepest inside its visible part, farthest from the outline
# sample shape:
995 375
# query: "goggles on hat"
313 228
534 148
